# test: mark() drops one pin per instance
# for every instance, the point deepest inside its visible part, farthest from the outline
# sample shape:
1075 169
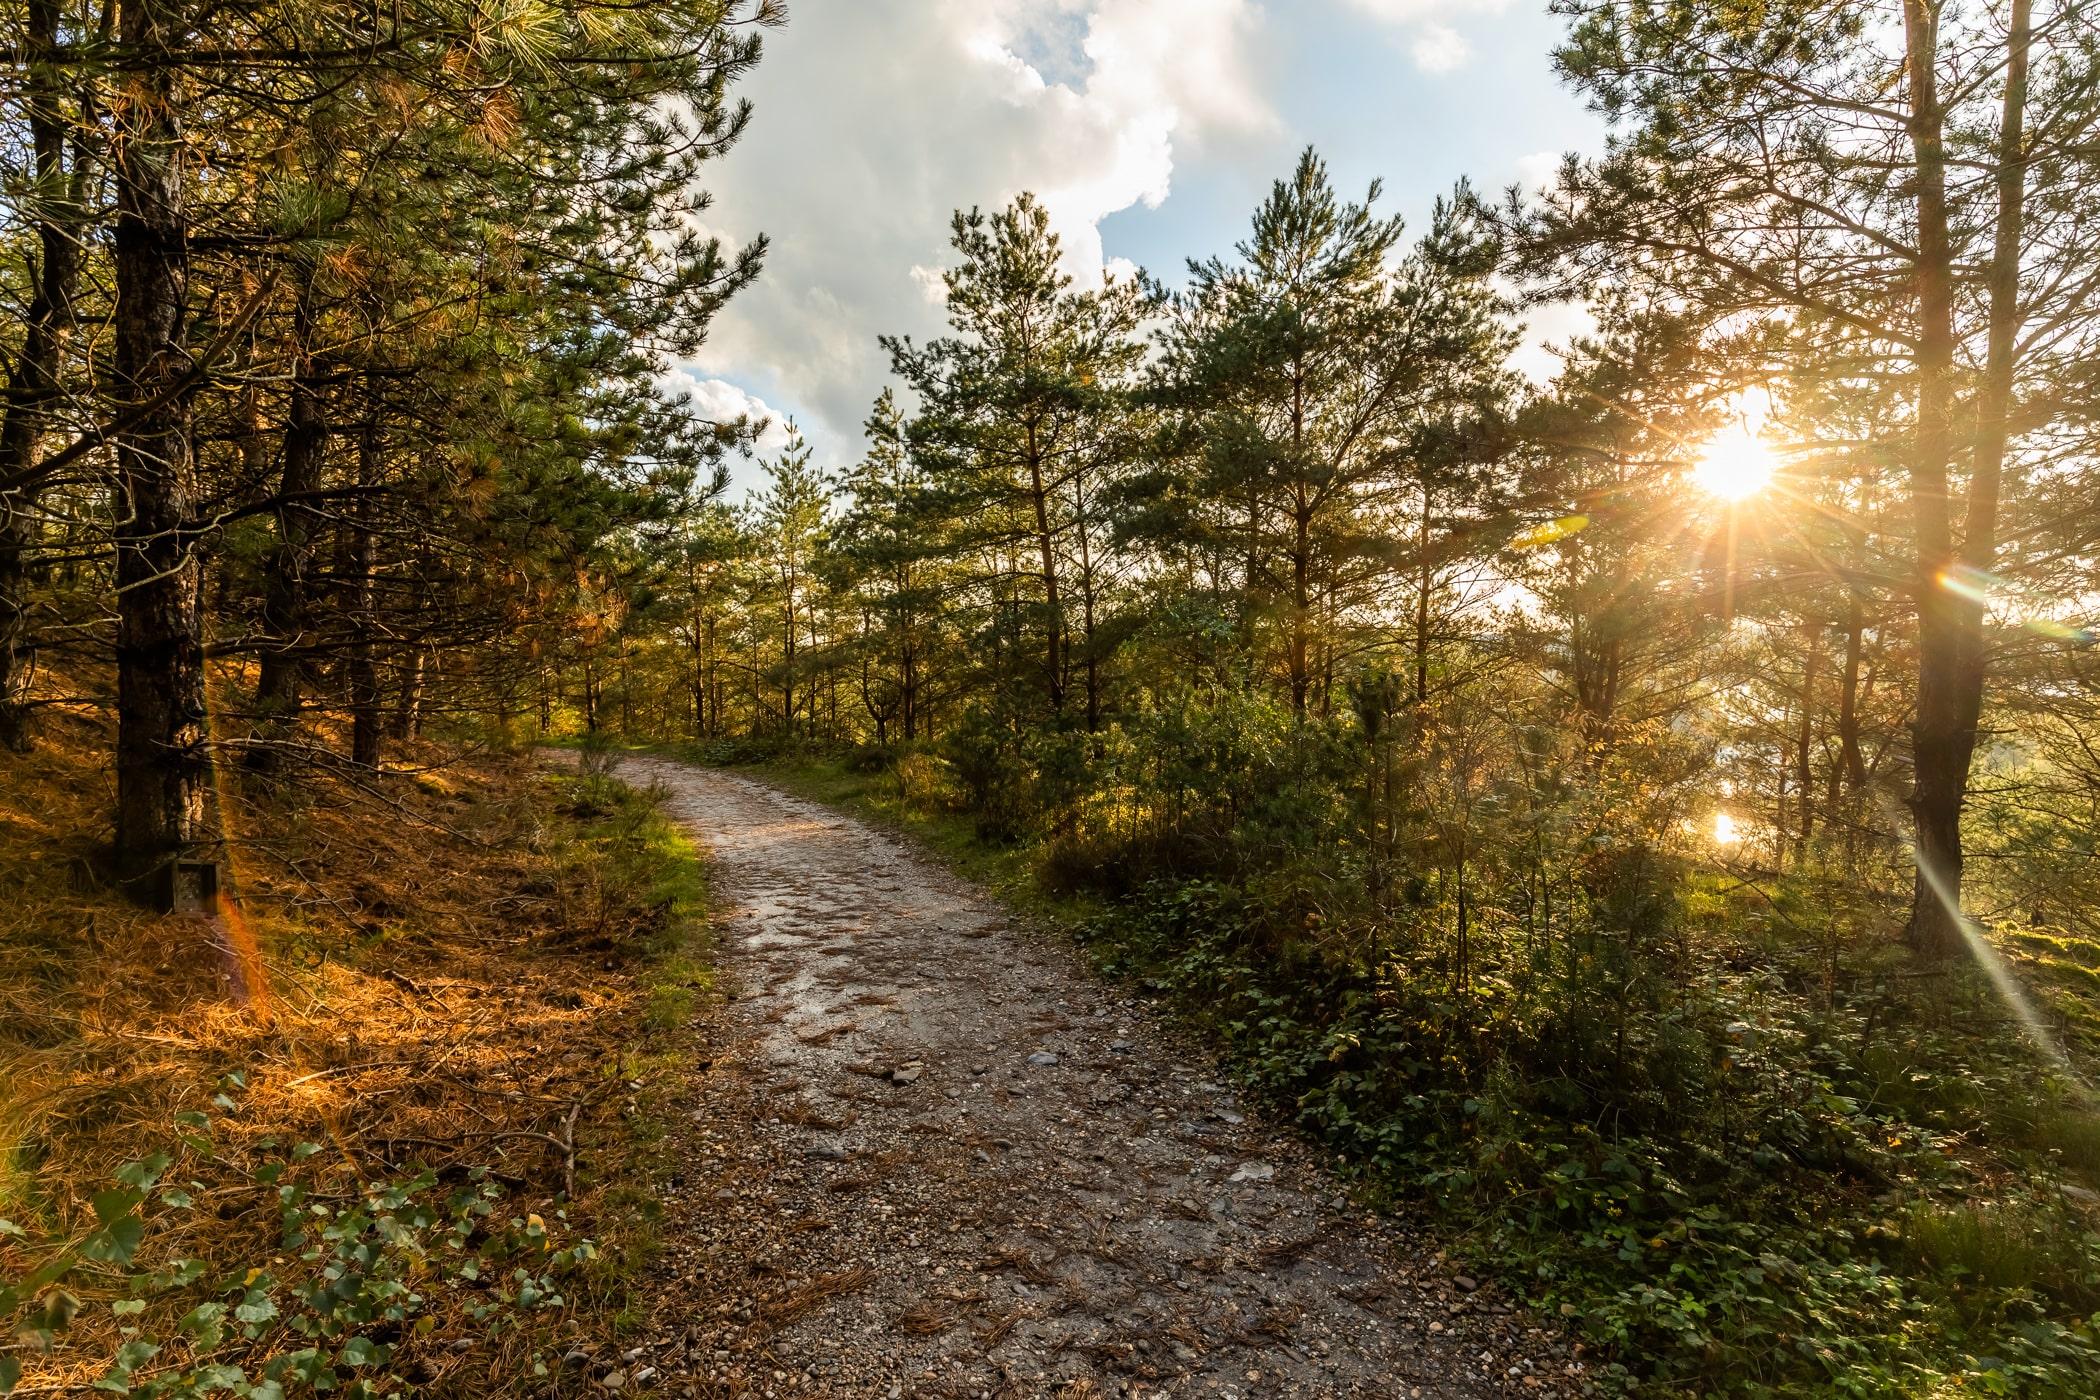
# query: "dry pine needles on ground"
431 968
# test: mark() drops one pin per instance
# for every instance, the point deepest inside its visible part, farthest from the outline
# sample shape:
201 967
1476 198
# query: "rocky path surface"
934 1155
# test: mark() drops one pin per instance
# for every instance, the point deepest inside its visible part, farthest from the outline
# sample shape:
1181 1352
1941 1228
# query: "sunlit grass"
1997 1246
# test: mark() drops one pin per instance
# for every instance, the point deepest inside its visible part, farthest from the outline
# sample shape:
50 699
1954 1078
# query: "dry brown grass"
1000 1327
425 975
785 1309
1018 1259
805 1115
925 1320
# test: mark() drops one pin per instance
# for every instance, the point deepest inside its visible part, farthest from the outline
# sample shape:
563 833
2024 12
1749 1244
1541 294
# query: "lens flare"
1550 532
1993 592
2004 981
1973 584
1725 832
2060 631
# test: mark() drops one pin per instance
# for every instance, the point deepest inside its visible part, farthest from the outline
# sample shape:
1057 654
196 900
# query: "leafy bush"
1684 1175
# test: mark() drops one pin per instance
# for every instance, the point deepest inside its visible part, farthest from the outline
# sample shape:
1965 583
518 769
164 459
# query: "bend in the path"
936 1156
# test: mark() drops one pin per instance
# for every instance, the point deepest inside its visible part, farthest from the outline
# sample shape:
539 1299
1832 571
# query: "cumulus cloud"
1438 48
1548 329
1432 40
722 401
1539 171
874 121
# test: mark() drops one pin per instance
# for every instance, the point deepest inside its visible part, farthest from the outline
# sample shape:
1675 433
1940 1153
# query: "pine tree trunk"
1093 659
1851 771
1301 550
363 678
286 604
1423 581
161 759
1804 775
1953 661
1301 610
1046 547
33 381
1941 742
908 677
408 711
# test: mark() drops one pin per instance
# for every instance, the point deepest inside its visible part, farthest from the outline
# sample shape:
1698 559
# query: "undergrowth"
1730 1155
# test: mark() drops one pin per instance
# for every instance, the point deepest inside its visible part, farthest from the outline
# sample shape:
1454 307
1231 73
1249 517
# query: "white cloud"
932 284
1396 11
1547 331
874 121
722 401
1538 171
1438 48
1403 12
1435 45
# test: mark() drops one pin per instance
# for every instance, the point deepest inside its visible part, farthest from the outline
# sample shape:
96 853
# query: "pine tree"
1019 430
883 557
788 519
1322 389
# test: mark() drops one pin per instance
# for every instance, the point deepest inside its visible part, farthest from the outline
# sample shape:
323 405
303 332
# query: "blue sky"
1150 127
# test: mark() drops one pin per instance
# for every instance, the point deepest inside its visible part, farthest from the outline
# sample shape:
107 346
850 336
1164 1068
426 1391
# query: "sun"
1733 466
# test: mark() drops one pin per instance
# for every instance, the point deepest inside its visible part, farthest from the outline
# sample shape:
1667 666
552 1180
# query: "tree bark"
1424 578
161 758
363 677
1942 743
1053 605
287 606
1804 768
1953 661
1851 771
33 382
1086 618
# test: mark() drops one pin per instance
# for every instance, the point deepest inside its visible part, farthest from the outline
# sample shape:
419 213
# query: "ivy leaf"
141 1175
132 1355
116 1243
256 1306
114 1205
203 1324
361 1351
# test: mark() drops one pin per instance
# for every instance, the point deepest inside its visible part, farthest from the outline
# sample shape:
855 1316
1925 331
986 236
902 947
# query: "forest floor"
458 966
935 1155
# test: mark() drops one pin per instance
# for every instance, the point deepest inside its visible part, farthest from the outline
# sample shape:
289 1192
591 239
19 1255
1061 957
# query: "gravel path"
934 1155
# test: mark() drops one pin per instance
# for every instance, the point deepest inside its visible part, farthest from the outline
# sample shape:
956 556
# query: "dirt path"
936 1156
